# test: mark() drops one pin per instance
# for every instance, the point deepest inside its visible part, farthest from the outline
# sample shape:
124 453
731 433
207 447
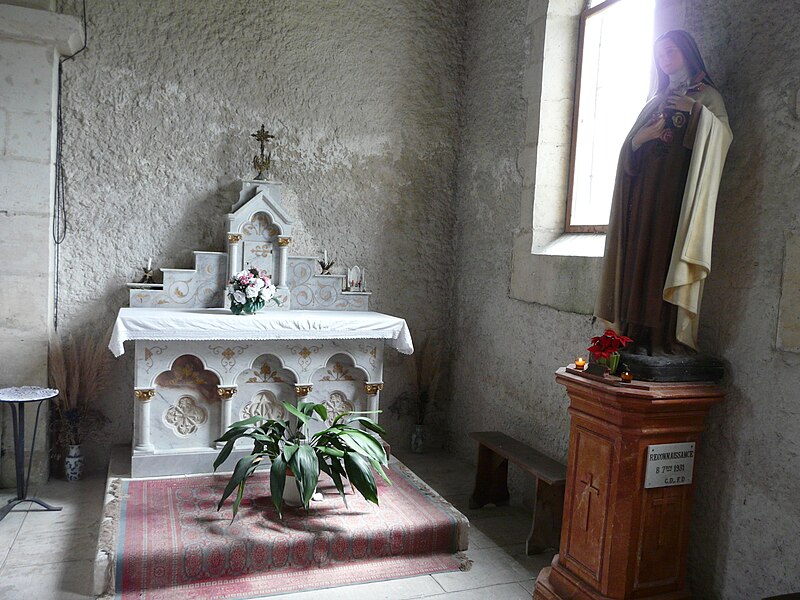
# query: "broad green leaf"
369 424
305 466
377 466
360 475
331 451
238 476
224 453
289 450
364 444
277 481
249 421
337 479
303 418
322 411
233 432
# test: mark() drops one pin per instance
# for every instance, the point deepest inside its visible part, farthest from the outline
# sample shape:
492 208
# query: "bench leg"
547 513
491 479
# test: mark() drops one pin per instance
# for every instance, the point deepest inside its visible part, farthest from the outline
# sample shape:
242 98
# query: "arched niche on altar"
259 234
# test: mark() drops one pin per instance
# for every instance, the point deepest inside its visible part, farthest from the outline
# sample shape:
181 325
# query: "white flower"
229 289
239 297
267 292
251 291
258 283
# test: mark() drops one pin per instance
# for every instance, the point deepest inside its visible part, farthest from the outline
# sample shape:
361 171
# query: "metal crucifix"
261 163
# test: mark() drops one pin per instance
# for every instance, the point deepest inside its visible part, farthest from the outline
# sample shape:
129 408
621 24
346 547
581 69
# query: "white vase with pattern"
73 462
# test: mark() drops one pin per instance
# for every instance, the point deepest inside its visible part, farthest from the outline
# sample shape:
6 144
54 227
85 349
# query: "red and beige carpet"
172 544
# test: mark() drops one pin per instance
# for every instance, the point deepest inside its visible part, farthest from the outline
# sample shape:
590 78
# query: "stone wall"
31 41
744 542
158 112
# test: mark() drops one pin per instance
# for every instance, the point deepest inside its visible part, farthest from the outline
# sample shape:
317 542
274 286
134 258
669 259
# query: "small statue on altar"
148 273
356 279
325 264
261 163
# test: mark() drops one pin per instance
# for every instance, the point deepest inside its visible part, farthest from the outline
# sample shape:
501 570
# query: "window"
613 81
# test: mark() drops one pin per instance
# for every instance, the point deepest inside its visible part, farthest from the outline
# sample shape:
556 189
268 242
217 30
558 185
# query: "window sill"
576 244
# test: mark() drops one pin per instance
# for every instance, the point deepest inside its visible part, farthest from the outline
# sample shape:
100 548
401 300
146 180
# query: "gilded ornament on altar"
226 393
234 238
302 390
144 395
373 388
284 241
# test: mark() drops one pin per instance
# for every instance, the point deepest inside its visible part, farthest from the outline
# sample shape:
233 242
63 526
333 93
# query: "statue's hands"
649 131
681 103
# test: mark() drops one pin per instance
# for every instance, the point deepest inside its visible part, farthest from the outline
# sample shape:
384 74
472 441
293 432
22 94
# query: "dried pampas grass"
79 369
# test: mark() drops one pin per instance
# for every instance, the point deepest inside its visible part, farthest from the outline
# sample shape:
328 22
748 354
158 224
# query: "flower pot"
291 495
73 462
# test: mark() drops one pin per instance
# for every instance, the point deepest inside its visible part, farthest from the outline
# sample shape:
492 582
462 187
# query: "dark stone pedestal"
691 367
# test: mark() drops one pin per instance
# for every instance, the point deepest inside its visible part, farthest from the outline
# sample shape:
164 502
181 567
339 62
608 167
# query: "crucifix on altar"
261 163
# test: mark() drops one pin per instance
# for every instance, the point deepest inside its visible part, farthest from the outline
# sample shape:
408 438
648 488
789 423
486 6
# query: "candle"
325 257
149 263
364 280
580 363
626 376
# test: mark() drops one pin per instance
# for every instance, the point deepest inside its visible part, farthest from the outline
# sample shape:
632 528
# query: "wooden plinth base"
620 540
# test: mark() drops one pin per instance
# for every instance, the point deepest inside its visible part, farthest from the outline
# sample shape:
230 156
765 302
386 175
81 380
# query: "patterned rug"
174 545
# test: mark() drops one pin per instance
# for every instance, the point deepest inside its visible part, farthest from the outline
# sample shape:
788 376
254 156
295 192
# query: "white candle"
363 280
325 257
149 263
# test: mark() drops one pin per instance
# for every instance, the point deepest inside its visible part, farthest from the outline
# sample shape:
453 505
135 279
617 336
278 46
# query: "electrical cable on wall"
59 205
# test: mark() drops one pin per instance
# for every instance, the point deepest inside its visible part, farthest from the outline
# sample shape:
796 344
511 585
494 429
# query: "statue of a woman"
658 246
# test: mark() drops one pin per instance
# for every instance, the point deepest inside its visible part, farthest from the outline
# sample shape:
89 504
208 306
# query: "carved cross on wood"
588 488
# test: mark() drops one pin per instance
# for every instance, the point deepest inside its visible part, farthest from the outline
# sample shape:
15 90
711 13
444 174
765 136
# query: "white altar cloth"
221 324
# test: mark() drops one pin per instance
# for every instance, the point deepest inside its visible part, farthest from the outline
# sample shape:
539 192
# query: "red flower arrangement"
605 348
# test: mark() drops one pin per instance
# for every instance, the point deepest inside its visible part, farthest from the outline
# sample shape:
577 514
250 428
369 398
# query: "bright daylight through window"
614 79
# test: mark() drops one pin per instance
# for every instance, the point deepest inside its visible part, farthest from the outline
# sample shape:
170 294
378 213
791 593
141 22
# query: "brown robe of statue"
645 210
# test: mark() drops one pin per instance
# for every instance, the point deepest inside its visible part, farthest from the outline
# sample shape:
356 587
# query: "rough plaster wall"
747 519
362 96
745 541
507 350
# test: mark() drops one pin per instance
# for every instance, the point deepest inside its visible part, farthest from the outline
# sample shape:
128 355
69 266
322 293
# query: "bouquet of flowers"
605 349
249 291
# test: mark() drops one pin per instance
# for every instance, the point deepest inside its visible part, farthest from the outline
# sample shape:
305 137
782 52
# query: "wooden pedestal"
618 539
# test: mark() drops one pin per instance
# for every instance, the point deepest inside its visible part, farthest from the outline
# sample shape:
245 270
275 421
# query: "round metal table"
17 398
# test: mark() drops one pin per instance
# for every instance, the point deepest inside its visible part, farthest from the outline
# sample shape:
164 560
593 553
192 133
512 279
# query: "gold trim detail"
284 241
302 390
226 393
373 388
234 238
144 395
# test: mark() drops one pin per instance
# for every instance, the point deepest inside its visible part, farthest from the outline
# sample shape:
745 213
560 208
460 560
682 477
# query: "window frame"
568 226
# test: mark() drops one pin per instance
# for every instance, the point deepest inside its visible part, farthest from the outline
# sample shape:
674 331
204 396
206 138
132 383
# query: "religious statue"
658 246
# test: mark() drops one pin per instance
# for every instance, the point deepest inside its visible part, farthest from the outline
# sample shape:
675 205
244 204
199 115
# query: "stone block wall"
31 41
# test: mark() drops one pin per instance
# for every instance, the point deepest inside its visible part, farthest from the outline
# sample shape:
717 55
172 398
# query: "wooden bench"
495 450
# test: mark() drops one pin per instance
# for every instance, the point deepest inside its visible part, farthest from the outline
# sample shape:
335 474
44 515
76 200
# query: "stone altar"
198 368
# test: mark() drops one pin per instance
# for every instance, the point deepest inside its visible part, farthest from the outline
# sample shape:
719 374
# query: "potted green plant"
343 451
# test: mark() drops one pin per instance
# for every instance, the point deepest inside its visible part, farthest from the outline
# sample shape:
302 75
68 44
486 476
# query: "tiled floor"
48 556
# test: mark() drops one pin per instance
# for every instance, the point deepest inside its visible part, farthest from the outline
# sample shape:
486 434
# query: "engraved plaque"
669 464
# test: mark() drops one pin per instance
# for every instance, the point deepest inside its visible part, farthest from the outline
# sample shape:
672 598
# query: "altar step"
203 287
414 532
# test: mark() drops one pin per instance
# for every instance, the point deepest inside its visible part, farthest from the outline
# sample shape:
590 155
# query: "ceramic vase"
73 462
418 440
